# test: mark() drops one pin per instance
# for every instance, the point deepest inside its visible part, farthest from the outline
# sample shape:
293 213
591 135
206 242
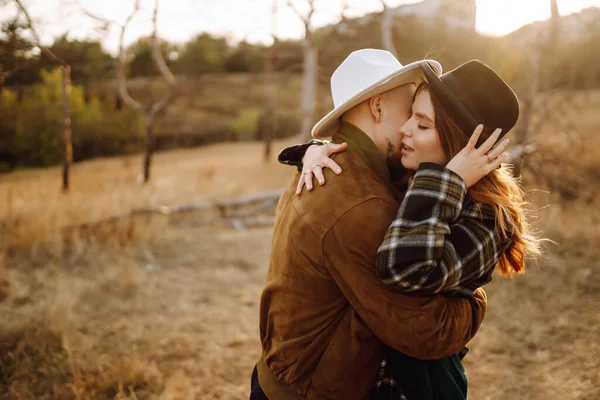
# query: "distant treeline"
102 126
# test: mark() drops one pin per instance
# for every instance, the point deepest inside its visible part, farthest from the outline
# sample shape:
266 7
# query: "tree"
311 54
269 118
203 54
66 91
387 24
245 58
87 59
149 111
540 62
18 64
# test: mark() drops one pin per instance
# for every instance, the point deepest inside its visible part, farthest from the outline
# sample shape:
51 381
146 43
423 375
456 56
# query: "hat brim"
410 73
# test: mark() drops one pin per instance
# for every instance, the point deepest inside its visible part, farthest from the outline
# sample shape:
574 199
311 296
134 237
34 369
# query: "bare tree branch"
55 59
291 5
159 105
161 65
306 19
122 62
311 11
106 22
241 207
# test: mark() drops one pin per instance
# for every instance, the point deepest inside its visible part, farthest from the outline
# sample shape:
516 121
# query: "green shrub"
31 131
245 126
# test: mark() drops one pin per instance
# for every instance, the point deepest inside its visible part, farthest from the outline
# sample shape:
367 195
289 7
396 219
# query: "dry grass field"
167 308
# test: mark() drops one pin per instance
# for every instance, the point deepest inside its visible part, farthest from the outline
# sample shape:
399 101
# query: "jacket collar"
360 144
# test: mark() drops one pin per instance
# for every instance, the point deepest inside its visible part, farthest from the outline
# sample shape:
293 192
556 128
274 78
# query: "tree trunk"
269 121
270 94
386 30
66 125
309 89
541 63
527 108
150 144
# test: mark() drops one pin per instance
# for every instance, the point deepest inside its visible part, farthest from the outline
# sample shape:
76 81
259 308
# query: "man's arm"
425 327
434 245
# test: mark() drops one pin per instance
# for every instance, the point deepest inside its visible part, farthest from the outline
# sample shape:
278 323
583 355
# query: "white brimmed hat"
363 74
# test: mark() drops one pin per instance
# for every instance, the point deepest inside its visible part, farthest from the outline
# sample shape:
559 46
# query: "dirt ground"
173 312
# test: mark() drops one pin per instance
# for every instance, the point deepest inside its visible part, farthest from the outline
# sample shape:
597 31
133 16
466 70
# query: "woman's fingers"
489 143
308 178
333 148
498 161
318 171
332 165
305 180
475 137
300 183
496 151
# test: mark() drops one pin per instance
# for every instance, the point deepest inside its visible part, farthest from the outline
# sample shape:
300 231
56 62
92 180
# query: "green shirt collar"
361 145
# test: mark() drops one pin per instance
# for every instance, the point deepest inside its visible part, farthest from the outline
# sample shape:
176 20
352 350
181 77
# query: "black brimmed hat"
474 94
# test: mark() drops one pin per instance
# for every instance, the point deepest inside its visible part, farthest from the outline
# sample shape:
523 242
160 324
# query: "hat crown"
490 97
362 69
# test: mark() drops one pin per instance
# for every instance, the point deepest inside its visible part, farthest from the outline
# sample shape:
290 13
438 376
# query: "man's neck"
362 145
366 127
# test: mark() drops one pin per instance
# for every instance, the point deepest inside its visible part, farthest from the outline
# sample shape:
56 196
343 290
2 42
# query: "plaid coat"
440 241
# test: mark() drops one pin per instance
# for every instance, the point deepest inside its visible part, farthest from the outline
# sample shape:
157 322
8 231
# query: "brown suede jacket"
324 314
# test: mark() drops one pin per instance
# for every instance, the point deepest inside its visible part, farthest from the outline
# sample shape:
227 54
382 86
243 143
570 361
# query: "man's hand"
472 163
314 160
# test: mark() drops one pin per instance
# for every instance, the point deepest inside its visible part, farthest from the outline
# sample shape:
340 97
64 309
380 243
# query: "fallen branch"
252 222
260 202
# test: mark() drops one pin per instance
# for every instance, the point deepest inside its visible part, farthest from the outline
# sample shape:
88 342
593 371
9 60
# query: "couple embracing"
375 280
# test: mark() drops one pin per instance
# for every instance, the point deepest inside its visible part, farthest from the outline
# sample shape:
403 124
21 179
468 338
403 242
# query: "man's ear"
376 107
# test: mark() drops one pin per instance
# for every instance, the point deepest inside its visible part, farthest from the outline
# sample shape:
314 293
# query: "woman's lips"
404 150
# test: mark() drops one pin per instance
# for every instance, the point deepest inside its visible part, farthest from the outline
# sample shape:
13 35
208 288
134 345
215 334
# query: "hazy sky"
179 20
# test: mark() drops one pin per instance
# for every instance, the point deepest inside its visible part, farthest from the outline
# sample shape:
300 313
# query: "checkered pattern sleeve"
440 241
293 155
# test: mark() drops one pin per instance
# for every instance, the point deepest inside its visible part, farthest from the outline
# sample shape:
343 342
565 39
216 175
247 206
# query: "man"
324 316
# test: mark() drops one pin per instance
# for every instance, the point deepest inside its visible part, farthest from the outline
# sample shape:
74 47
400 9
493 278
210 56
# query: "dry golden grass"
71 316
34 209
162 309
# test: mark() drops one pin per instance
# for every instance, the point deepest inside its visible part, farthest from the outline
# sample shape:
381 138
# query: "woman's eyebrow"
423 116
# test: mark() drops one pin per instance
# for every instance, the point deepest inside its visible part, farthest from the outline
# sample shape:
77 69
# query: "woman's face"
421 142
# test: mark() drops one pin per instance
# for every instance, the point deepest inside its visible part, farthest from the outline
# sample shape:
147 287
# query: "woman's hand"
472 163
314 160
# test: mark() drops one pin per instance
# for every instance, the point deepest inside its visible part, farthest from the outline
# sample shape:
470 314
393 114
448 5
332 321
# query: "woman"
451 231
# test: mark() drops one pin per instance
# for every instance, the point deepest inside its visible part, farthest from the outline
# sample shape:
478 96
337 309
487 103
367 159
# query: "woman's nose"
405 130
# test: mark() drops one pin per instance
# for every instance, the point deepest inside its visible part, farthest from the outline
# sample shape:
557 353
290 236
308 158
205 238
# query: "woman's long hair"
500 189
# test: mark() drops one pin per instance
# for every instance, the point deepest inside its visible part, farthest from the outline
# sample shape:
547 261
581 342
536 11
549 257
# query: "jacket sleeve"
434 244
293 155
424 327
